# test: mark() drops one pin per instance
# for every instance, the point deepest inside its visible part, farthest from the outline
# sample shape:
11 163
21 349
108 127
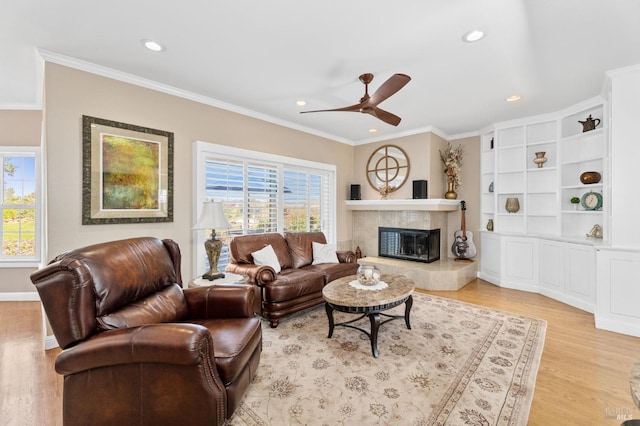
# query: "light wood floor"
583 377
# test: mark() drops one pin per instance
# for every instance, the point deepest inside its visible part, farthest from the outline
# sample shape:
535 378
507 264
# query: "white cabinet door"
520 263
618 291
580 271
551 268
490 257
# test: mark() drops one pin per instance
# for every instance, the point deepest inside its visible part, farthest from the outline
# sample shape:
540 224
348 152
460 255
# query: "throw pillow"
267 256
324 253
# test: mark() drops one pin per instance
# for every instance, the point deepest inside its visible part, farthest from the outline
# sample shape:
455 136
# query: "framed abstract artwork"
127 173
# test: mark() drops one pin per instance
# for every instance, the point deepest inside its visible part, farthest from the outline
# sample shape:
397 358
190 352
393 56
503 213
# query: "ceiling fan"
369 104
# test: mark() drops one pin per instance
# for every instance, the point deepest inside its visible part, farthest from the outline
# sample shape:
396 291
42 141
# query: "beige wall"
469 191
415 146
19 128
72 93
423 151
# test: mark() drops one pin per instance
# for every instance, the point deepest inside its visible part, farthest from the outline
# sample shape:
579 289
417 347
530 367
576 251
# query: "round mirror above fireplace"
387 169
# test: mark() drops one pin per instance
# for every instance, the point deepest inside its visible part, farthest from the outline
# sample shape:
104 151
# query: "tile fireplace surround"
444 274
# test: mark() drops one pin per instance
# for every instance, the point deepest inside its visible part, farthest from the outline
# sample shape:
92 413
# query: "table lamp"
212 217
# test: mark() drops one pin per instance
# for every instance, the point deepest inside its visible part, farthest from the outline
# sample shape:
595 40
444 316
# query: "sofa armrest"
256 274
167 343
220 301
346 256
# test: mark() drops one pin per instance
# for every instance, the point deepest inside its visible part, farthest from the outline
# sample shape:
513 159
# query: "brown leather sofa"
299 284
138 350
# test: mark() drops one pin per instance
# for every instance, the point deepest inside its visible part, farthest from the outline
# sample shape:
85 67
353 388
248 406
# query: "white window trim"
37 260
202 149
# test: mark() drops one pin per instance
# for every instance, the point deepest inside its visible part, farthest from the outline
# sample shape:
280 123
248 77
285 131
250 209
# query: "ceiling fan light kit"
369 104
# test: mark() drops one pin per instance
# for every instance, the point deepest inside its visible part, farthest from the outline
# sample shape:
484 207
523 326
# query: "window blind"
261 197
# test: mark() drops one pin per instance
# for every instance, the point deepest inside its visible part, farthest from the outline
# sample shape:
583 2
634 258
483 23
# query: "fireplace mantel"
430 204
433 213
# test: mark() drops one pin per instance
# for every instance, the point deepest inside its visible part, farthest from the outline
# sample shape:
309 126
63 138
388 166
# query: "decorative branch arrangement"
452 161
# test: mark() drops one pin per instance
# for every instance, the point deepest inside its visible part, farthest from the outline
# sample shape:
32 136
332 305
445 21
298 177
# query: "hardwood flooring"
30 389
583 377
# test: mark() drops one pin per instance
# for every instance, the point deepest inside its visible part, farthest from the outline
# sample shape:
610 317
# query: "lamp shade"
212 216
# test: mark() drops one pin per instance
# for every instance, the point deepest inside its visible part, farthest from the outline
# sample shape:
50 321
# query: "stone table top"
339 292
634 380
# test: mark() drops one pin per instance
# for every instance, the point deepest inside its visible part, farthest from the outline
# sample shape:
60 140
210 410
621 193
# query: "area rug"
460 364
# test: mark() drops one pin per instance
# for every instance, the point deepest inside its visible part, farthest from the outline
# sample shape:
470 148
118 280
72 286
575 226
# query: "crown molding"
464 135
412 132
79 64
624 70
92 68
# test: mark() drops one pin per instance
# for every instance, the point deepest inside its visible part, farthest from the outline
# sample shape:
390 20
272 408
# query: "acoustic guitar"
463 247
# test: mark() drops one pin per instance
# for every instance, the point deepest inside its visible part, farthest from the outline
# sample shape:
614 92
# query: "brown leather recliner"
299 284
137 348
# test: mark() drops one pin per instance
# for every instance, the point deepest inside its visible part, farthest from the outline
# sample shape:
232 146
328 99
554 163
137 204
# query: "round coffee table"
339 295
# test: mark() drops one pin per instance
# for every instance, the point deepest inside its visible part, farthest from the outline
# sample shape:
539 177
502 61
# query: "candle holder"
368 275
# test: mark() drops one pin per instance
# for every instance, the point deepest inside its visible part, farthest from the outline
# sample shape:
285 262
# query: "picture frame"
127 173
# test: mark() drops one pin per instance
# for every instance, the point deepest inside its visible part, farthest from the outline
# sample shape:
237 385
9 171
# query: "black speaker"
419 189
355 192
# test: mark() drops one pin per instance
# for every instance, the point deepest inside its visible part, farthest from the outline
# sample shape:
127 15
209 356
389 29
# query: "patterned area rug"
460 364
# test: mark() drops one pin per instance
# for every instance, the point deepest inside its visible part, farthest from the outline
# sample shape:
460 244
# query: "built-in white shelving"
544 246
507 155
487 177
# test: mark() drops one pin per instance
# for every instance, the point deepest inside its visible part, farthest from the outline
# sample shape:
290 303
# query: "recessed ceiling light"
301 103
514 98
472 35
153 45
373 130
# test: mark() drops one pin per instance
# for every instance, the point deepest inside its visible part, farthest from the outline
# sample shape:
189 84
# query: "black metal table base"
374 313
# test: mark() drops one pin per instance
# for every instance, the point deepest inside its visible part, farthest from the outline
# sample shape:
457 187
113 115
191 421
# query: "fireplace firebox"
418 245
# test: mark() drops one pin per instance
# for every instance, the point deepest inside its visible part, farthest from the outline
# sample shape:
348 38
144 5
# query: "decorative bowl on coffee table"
368 275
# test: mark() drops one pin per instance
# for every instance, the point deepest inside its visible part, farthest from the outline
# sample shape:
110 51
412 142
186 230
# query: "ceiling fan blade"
388 88
369 104
386 116
355 108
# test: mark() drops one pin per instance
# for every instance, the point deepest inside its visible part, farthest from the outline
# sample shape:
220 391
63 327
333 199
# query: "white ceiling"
260 57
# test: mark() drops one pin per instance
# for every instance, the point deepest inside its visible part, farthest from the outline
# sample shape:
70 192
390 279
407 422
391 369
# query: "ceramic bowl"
590 177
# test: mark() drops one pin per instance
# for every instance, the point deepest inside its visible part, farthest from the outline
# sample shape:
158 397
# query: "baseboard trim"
20 296
515 285
489 278
617 326
50 342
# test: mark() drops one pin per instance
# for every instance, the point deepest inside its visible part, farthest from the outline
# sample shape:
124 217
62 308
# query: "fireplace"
418 245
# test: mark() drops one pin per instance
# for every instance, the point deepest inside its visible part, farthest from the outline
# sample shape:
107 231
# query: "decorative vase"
450 194
368 275
540 159
588 178
596 232
491 187
490 225
512 205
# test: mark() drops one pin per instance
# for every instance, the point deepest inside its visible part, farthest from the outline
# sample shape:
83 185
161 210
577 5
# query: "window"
262 193
302 201
20 231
